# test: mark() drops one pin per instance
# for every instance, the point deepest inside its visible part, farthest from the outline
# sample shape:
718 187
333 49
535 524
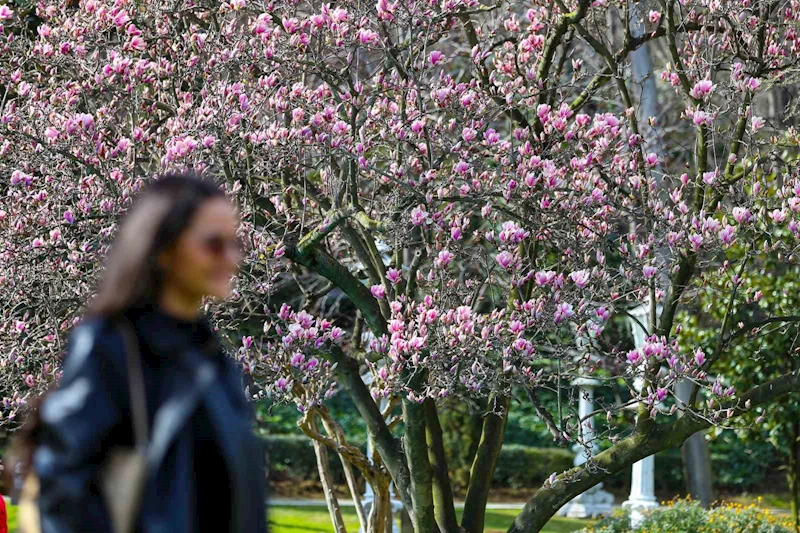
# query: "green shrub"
686 516
292 457
680 515
525 467
618 522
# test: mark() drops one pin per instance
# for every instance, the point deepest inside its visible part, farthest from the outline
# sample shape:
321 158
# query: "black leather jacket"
90 413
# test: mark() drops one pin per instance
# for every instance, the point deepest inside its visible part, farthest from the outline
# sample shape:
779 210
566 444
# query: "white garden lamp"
642 497
595 501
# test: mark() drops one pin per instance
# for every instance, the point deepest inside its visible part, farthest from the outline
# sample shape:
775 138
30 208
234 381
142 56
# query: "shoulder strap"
136 390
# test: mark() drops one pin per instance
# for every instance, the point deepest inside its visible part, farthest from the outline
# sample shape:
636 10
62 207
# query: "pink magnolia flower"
238 4
444 258
741 215
661 394
436 57
757 124
137 43
468 134
5 12
505 259
542 111
649 271
51 133
394 276
580 278
700 357
709 177
368 37
727 234
545 277
778 216
752 84
283 384
603 313
378 291
297 359
461 167
702 89
491 137
563 312
385 10
696 241
634 357
419 216
655 17
652 160
455 233
121 18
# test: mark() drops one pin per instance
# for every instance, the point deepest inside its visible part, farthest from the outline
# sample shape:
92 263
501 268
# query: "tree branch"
547 500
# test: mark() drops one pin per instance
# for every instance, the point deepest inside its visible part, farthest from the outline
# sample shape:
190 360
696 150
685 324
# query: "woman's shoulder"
91 338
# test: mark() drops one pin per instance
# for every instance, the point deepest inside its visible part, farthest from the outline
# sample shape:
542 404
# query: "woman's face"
206 257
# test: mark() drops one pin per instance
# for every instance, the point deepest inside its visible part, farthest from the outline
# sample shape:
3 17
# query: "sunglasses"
218 244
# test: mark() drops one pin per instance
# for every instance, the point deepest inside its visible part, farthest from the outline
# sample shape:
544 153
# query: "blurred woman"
205 467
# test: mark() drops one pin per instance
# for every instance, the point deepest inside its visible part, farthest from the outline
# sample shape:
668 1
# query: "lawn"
316 519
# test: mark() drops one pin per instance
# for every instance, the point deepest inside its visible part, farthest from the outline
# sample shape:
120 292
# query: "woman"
205 470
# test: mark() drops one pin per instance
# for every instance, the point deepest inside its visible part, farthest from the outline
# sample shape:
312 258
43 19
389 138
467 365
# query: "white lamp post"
595 501
642 497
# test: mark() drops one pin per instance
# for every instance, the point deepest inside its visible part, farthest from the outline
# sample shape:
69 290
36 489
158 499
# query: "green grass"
316 519
11 512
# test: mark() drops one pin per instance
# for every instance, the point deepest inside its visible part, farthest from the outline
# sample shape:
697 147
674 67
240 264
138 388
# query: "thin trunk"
335 432
387 446
480 478
381 510
443 507
328 486
419 466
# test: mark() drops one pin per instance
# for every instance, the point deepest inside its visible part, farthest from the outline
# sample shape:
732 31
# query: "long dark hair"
161 213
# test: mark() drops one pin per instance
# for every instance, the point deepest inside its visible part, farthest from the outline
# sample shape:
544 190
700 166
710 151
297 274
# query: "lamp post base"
638 507
397 507
591 504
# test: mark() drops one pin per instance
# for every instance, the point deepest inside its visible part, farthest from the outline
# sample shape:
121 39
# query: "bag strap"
136 390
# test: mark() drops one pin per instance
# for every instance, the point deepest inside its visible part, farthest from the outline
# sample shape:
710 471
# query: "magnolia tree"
475 178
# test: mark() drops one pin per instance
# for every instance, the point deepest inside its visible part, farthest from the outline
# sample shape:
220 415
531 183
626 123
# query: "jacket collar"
166 336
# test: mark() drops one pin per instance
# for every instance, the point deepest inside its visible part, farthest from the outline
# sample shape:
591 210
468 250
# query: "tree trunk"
328 486
480 478
696 458
419 466
443 507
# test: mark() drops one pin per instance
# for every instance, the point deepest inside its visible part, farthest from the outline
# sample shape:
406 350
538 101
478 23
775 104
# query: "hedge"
526 467
292 458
